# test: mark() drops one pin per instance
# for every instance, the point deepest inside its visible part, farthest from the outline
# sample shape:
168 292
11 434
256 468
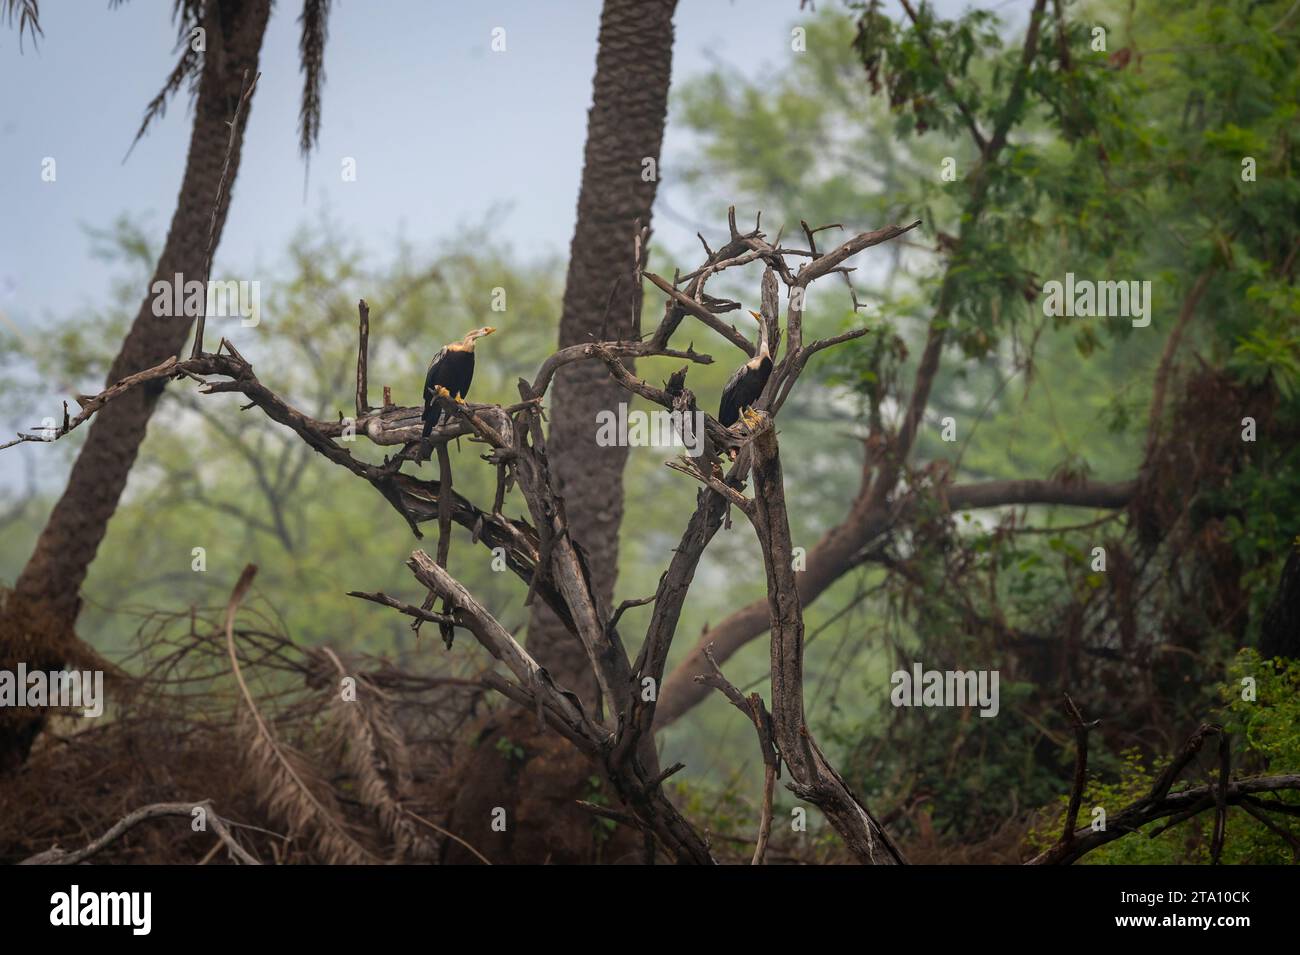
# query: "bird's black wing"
729 408
431 380
742 390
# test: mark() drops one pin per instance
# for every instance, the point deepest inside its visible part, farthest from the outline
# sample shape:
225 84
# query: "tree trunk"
602 301
37 620
812 777
1280 633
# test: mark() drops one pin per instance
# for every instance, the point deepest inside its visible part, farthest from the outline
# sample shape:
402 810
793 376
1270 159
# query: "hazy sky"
442 128
443 131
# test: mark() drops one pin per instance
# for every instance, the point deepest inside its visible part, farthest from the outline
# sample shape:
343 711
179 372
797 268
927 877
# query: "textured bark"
36 625
638 786
812 777
601 299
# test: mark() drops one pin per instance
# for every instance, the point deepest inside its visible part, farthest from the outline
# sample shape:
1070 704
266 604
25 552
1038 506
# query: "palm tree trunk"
38 618
625 128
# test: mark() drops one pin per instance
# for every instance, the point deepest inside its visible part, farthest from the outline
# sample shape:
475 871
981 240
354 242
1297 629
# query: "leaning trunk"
38 618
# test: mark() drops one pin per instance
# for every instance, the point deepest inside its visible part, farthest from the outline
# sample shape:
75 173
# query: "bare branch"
703 313
1160 803
57 856
363 357
753 708
812 776
1081 730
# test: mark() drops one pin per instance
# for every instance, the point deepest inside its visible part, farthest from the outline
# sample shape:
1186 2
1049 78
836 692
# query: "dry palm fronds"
370 745
289 784
178 720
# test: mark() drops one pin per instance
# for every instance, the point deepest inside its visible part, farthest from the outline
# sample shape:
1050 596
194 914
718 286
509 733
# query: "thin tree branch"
57 856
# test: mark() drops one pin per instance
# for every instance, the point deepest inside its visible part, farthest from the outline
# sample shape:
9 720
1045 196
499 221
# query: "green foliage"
1124 162
1265 735
1118 163
602 827
509 749
1269 356
1269 725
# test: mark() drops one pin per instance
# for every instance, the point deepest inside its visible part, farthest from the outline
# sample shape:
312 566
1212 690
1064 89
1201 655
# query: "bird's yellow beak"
757 317
489 330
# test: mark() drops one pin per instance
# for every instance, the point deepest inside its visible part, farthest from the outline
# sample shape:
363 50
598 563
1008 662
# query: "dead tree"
617 735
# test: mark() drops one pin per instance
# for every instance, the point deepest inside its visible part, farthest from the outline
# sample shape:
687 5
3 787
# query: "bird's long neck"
465 344
763 351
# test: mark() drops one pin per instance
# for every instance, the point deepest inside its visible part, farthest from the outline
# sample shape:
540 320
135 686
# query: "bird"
746 384
449 376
